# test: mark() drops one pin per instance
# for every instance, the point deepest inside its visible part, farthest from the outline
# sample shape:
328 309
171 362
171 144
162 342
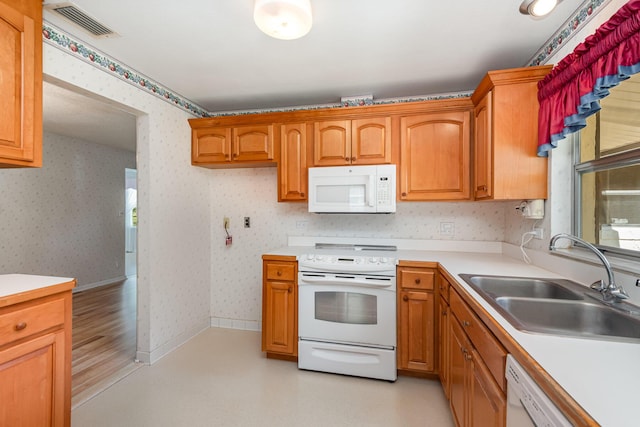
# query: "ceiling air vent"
72 13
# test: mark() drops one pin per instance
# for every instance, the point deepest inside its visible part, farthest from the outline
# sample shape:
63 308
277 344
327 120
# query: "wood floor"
104 337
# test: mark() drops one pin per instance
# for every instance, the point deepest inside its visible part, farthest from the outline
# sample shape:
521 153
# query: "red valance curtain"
571 91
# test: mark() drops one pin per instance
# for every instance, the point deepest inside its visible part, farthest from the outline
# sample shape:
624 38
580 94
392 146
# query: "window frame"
622 159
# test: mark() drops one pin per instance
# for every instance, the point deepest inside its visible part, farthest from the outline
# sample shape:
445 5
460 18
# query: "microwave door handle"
371 190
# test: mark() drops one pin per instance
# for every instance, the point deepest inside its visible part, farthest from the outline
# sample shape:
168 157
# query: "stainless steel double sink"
557 307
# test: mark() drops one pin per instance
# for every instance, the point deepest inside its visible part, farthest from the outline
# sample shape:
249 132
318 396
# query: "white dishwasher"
527 404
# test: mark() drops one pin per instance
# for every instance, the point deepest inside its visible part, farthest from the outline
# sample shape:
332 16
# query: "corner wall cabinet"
21 83
280 306
435 156
352 142
506 166
35 357
416 320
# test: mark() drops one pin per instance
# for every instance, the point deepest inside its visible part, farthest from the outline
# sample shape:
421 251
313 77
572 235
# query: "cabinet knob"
290 289
444 313
279 273
466 323
302 195
467 355
417 281
405 298
482 187
20 326
346 159
404 194
353 159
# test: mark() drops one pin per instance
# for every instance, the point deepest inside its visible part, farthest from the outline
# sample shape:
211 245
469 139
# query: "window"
607 173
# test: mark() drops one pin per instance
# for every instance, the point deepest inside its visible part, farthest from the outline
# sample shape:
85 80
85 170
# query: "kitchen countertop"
14 287
599 375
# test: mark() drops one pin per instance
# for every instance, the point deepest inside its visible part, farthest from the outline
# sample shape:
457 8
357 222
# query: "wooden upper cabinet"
293 168
241 146
506 136
435 156
211 145
364 141
21 83
253 143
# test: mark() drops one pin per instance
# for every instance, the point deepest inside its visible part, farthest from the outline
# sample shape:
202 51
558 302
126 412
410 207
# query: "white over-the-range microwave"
352 189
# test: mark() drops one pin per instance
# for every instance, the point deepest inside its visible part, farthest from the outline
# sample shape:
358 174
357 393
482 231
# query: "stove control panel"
347 262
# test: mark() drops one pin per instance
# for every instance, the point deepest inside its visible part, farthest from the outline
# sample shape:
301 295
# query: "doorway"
105 302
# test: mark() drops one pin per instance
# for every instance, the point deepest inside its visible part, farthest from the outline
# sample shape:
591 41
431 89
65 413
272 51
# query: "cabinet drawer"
492 352
417 279
30 320
277 271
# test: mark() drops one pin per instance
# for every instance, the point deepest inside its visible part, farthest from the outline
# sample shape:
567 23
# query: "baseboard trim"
98 284
245 325
151 357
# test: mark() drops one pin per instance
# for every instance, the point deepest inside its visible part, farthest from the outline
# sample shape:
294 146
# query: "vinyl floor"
220 378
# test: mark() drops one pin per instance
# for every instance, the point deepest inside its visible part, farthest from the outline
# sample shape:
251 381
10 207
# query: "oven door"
352 309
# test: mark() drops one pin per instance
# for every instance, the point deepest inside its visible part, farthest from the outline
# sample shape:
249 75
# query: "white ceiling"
211 52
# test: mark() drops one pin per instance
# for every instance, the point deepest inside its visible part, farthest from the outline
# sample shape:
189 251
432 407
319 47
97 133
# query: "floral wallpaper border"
583 15
57 38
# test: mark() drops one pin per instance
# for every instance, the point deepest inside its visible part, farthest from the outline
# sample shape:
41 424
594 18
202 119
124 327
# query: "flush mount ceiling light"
283 19
538 8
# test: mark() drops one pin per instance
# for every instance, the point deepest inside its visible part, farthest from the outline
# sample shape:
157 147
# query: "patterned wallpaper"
235 193
174 274
63 219
185 273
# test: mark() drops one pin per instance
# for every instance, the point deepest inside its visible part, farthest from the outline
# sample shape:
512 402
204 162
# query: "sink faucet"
609 292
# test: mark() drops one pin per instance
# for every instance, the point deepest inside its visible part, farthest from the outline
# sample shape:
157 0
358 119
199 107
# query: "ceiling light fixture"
283 19
538 8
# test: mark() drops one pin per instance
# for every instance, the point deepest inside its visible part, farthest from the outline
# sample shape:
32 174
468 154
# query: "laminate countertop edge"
16 288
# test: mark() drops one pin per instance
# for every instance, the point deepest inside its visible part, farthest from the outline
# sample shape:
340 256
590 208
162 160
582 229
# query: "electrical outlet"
447 228
538 233
225 222
247 222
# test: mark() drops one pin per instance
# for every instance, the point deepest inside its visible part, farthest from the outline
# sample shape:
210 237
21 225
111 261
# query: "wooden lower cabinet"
416 319
444 314
476 396
35 359
280 306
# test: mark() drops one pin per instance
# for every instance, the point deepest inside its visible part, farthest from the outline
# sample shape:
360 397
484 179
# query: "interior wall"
236 295
65 219
173 207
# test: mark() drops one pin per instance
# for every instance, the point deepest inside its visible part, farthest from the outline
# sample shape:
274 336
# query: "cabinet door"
211 145
434 156
253 143
32 382
371 141
487 403
458 351
443 344
292 171
416 346
483 168
279 307
21 84
332 143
